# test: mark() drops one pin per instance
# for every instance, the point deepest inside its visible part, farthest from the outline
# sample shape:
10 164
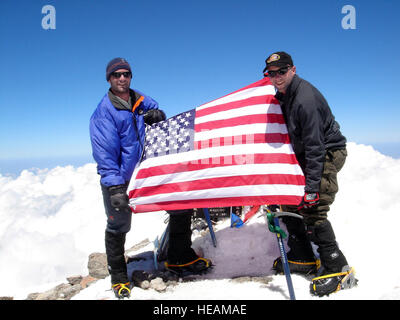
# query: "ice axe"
274 226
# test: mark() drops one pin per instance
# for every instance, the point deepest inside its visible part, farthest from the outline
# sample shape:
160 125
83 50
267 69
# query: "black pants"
117 222
315 226
180 237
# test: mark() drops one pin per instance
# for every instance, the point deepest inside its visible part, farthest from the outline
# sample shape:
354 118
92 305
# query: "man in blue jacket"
117 130
320 149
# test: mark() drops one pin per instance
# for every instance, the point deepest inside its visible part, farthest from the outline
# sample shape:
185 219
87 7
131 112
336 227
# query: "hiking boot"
297 266
332 282
197 266
122 290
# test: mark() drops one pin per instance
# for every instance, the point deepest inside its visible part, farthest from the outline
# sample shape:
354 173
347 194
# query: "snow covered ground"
51 220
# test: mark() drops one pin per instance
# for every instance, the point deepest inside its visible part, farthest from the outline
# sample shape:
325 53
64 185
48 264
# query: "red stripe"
266 99
237 121
260 83
218 202
220 182
243 139
213 162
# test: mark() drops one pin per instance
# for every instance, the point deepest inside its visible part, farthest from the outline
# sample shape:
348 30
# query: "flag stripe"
218 182
246 129
258 90
237 121
252 101
243 139
237 112
193 156
213 162
220 171
211 203
264 190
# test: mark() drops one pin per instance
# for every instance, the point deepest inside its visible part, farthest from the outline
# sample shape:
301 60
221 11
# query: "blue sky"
183 54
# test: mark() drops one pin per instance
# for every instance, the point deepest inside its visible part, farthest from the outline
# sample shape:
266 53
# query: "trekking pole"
274 226
210 227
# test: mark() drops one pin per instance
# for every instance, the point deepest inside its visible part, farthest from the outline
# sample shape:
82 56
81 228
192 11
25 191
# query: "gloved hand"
309 200
154 116
118 198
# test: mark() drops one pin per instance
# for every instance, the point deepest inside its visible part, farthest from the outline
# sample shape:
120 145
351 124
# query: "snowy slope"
51 220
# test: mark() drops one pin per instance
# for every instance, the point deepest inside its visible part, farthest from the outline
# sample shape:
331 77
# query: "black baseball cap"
278 59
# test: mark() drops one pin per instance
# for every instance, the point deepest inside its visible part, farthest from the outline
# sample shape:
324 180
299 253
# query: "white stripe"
221 151
231 192
218 172
237 112
247 93
245 129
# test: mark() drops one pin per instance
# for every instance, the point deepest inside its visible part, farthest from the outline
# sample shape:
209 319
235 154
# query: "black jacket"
312 128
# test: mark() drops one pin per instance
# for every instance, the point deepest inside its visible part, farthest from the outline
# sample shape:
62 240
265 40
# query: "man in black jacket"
320 149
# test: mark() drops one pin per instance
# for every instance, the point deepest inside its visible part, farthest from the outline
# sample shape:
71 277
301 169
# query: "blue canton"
174 135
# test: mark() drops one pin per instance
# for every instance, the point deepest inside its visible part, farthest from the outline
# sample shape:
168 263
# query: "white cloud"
51 220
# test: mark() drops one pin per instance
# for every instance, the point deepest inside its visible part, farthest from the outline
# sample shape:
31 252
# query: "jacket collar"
134 100
291 89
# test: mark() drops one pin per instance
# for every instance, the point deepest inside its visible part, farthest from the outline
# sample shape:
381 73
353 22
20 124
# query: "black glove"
118 198
309 200
153 116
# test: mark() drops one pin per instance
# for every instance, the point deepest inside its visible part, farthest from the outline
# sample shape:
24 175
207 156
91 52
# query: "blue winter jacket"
117 137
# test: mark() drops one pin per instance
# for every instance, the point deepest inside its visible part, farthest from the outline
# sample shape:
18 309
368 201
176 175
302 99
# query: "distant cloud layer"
50 220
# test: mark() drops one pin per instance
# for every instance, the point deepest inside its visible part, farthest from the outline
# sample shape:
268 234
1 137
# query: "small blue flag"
236 222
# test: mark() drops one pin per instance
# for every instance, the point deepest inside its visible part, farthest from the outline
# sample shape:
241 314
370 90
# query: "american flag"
232 151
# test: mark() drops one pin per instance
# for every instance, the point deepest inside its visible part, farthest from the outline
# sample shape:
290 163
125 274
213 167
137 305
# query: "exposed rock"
6 298
32 296
87 281
158 284
97 265
74 280
64 291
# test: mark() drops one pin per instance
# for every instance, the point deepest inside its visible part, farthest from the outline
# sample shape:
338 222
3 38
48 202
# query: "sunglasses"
118 75
280 71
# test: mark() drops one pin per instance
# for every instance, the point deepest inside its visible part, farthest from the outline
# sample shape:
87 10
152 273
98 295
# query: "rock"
64 291
6 298
68 292
32 296
97 265
74 280
87 281
53 294
145 284
158 284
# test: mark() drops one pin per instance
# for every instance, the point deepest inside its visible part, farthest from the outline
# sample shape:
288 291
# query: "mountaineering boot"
195 267
333 282
181 258
335 273
122 290
297 266
300 257
115 251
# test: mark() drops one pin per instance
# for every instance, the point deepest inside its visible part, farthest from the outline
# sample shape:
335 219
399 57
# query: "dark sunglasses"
118 75
280 71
